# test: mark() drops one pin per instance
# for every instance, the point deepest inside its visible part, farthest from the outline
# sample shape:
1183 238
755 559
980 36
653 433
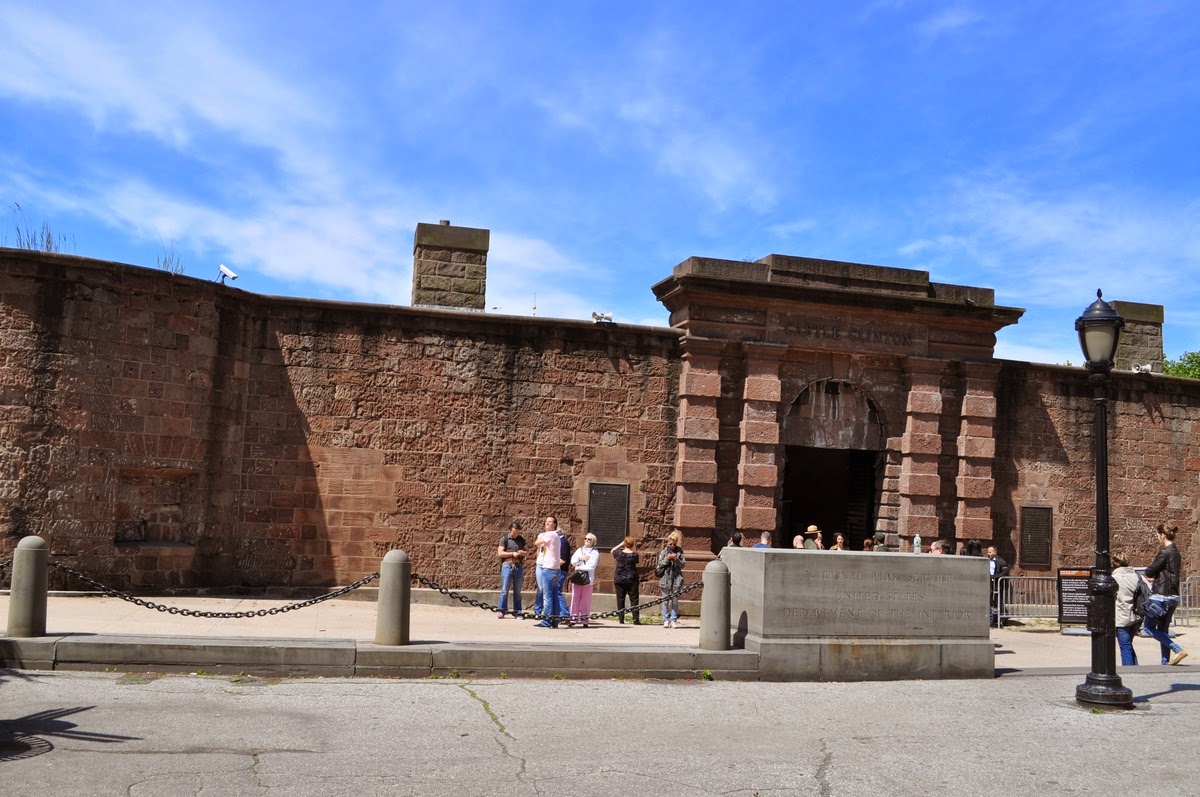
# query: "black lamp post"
1099 330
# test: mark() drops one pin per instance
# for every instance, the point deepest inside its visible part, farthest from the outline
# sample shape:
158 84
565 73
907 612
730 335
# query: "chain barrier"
362 582
553 617
213 615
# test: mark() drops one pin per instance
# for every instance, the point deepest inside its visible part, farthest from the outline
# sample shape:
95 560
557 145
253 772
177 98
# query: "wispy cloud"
1046 244
790 228
946 21
172 80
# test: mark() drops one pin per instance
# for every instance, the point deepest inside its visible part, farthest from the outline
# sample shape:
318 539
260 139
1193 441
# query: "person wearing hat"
812 539
881 542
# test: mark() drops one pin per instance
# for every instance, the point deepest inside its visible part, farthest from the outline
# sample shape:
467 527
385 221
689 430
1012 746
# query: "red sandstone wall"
1045 457
164 431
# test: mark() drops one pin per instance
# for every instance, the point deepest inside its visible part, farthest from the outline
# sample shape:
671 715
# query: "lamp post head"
1099 331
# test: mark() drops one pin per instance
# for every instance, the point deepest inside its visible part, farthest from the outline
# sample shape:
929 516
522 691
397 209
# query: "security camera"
602 318
226 272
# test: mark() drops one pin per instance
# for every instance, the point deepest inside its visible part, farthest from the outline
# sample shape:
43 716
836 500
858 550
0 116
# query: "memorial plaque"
1037 534
608 513
1073 595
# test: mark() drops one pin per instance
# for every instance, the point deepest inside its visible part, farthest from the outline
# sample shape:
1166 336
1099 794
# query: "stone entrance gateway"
856 397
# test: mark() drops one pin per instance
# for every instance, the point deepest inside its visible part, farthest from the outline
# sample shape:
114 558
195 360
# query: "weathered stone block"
760 432
977 447
697 383
979 406
922 444
757 475
974 487
920 484
756 519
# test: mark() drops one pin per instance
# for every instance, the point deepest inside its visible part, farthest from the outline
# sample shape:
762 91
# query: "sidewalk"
121 635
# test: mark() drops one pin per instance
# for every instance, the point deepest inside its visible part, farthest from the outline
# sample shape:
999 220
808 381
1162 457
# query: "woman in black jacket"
1164 571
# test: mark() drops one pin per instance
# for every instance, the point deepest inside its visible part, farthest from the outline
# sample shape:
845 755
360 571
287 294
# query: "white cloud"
946 21
1051 246
166 76
792 228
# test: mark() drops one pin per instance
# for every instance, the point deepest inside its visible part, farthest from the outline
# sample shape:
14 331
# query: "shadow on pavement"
1175 688
23 737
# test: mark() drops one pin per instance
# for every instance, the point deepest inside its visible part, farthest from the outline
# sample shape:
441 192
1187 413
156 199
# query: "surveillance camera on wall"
227 272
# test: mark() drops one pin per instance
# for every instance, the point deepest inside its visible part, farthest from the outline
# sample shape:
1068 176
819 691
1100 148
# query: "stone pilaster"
758 466
889 495
976 452
1141 342
450 266
920 446
697 432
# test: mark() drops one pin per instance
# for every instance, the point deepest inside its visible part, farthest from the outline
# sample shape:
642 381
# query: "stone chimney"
449 266
1141 340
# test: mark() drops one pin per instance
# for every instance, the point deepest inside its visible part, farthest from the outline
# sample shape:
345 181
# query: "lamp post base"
1104 691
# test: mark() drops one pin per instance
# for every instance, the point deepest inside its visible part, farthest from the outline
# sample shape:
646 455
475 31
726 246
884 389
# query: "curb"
349 658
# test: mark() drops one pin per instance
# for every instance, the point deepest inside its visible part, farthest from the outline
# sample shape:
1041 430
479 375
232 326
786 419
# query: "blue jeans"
511 577
1125 643
546 578
560 601
1159 628
670 608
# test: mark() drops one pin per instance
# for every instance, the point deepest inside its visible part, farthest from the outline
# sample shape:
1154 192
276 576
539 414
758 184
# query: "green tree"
1188 365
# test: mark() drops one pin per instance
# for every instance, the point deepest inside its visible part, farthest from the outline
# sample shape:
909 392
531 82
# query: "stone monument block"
850 616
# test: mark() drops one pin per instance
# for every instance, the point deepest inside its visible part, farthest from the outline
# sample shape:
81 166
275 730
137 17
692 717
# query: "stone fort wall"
162 431
1044 458
168 432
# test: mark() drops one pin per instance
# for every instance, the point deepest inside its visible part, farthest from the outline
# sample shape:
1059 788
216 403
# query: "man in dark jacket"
564 556
1164 571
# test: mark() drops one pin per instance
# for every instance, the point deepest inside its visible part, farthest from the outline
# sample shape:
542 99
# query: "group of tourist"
558 565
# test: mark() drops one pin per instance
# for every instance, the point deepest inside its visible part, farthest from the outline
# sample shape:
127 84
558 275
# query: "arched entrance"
833 441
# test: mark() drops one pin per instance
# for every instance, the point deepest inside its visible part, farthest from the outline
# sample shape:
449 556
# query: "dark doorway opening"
833 488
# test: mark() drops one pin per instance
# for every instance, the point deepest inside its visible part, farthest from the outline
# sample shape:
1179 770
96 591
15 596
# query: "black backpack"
1141 594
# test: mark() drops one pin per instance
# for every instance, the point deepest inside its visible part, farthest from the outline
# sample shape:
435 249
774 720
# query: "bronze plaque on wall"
608 513
1037 535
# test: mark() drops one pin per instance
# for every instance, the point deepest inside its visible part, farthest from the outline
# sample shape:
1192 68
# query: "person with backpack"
1129 601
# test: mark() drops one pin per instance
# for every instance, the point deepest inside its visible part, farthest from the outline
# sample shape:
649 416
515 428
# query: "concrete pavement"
152 735
335 638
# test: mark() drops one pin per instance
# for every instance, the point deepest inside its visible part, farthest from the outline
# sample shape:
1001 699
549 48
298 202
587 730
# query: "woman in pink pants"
584 561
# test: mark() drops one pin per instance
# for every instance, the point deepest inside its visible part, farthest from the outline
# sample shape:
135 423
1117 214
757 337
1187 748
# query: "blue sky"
1043 149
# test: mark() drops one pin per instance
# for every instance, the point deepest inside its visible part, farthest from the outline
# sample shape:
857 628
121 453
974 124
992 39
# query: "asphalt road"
141 735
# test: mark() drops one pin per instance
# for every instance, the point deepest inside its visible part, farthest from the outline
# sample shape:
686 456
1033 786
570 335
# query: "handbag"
1152 609
579 577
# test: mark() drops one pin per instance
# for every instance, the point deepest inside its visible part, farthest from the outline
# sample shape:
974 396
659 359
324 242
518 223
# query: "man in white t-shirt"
548 564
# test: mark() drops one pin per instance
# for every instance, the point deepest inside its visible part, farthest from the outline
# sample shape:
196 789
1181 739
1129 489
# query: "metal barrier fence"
1189 601
1026 598
1036 598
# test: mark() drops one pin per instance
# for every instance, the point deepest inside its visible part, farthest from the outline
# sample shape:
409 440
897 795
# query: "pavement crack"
502 735
487 707
822 773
